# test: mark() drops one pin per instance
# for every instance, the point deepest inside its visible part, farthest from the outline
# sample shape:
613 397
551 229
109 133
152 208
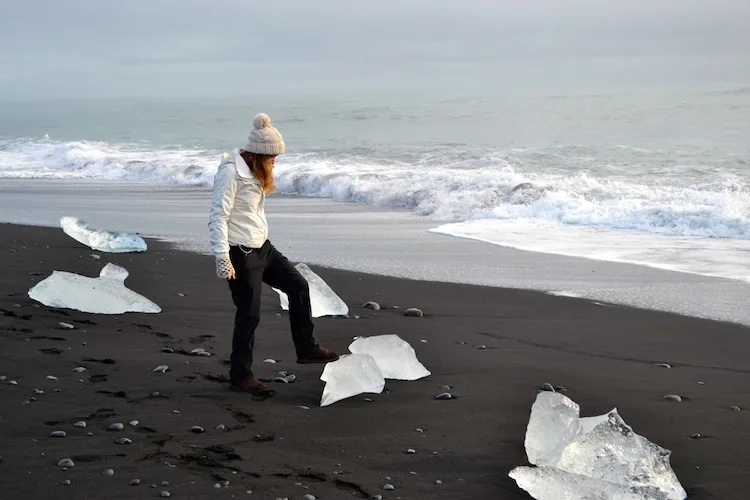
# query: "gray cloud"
95 47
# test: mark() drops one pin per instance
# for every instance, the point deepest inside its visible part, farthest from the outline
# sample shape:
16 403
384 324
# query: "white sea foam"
725 258
616 203
99 160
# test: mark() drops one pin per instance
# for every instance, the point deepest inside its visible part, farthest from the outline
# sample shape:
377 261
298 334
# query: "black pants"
265 265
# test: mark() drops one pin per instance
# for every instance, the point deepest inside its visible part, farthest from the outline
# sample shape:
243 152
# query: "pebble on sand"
79 369
66 482
389 487
116 427
38 391
80 424
269 360
673 397
58 434
221 427
482 347
66 462
108 472
197 429
663 365
444 395
411 451
134 482
51 377
735 408
3 378
160 369
413 312
168 350
438 481
123 441
65 326
133 423
371 305
309 497
164 494
164 484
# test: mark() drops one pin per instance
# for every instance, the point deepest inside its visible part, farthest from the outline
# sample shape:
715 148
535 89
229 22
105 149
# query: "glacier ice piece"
323 300
394 356
350 375
553 424
613 452
106 294
603 449
101 240
549 483
589 423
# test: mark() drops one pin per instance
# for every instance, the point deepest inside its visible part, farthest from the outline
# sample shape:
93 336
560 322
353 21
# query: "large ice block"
613 452
101 240
603 449
323 299
553 424
350 375
106 294
394 356
548 483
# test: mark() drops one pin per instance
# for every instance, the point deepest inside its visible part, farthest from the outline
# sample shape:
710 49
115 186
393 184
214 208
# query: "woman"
238 233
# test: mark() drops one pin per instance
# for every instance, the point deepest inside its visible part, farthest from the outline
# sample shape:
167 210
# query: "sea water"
657 178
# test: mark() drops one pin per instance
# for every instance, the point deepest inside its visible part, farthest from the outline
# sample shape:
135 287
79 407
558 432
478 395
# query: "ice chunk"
548 483
352 374
613 452
601 448
106 294
553 424
323 299
394 356
98 239
589 423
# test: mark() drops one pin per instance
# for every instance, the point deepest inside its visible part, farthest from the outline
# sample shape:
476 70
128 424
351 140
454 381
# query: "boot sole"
316 361
258 395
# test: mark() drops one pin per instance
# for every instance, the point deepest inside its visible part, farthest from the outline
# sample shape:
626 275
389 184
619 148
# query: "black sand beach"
603 355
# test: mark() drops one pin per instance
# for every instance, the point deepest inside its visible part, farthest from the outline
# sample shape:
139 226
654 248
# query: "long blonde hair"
262 168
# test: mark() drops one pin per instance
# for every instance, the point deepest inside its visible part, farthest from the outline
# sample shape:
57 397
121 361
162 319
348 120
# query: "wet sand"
604 355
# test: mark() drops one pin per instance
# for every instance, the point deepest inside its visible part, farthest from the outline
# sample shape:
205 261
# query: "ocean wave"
575 185
101 160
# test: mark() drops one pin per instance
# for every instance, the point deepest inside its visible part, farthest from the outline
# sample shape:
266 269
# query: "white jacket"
237 215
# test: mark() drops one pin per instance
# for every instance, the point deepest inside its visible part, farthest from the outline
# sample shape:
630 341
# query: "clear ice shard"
613 452
549 483
324 301
106 294
350 375
101 240
601 456
553 424
393 355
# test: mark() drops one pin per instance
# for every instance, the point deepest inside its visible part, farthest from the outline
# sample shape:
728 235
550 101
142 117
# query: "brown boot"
317 355
253 386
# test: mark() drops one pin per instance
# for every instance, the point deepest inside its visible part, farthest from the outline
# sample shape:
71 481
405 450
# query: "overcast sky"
54 48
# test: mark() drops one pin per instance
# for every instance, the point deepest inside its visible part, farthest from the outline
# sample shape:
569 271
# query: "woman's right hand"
224 267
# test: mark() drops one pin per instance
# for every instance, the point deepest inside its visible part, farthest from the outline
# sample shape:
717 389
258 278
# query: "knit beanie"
264 138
